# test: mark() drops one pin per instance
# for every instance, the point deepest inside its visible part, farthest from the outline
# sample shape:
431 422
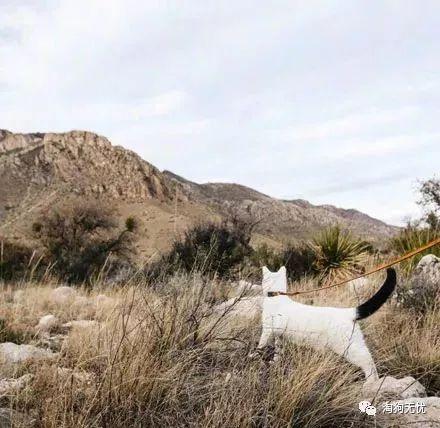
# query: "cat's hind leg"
358 354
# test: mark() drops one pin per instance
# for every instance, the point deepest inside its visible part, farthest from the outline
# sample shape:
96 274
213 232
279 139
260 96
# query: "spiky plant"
338 254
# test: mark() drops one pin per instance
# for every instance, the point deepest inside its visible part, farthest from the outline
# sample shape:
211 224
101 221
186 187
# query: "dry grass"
164 358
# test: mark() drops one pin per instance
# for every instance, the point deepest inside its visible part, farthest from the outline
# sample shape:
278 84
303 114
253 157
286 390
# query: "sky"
336 102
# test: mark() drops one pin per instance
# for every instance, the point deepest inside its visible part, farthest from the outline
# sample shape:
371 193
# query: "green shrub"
212 248
264 255
338 254
299 260
15 260
83 238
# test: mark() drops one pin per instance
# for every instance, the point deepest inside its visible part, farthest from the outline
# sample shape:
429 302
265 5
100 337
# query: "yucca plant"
411 238
338 254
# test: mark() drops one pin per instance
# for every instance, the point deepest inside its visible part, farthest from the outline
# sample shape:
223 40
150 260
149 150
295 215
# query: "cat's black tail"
371 306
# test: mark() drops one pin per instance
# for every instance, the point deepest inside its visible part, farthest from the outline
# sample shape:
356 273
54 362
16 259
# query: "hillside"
40 169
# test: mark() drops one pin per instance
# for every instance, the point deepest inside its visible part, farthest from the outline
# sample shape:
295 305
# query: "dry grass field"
163 357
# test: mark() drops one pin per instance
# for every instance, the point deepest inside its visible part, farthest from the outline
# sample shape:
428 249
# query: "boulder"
404 412
81 377
18 296
247 307
428 268
47 323
103 301
12 386
80 324
63 295
391 388
247 287
13 353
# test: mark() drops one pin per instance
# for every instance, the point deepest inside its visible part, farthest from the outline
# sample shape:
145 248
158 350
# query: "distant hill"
40 169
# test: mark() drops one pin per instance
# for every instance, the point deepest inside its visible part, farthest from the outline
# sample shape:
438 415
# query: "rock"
429 419
80 324
10 418
52 342
81 377
47 323
18 296
12 386
429 269
247 287
13 353
392 388
247 307
101 300
63 295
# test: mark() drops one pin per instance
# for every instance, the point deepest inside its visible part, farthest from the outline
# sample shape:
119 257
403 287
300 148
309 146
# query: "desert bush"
212 248
299 260
411 238
264 255
338 254
16 260
82 238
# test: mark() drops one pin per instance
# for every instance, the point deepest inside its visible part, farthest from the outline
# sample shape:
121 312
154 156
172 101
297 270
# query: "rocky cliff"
40 169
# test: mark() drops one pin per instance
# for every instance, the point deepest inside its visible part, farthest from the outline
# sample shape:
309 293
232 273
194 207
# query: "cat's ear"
265 270
282 269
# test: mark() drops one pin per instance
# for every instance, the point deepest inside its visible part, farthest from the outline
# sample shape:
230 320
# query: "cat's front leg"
264 339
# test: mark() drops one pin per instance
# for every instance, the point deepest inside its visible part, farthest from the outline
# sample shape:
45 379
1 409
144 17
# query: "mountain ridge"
47 168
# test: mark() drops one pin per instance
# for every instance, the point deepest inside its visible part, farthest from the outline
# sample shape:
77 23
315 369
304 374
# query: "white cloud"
287 97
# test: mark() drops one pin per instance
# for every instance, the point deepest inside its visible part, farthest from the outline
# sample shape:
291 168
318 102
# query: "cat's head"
274 281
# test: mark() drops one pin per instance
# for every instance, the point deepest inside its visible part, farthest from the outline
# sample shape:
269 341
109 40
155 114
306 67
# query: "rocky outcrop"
428 268
74 163
11 353
47 323
281 218
392 388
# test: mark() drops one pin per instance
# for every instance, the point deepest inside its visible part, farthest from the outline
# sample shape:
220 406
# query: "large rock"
428 268
405 412
247 307
391 388
246 287
63 295
80 324
47 323
12 386
12 353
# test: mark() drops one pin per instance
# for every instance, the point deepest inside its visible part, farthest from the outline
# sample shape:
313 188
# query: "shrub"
413 237
299 260
338 254
264 255
15 260
80 239
212 248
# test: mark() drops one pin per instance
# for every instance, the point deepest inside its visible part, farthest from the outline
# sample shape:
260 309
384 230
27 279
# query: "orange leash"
376 269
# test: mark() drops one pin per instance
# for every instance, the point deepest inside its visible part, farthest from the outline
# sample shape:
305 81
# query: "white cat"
321 327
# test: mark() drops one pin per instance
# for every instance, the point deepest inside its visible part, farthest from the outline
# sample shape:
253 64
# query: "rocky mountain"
40 169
